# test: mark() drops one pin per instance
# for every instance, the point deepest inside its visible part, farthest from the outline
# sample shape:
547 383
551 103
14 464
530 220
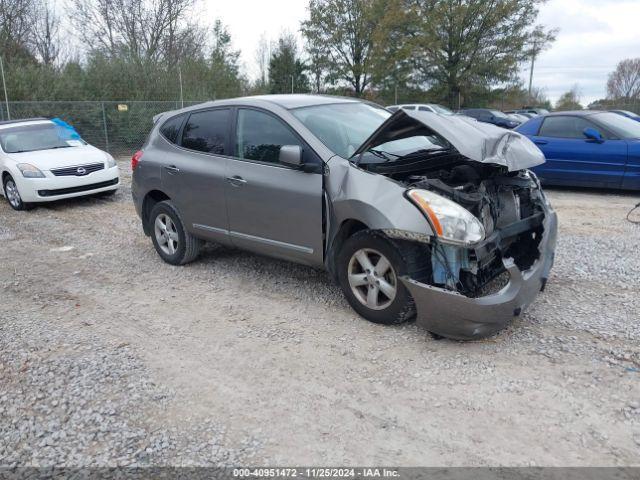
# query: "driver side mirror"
593 135
291 155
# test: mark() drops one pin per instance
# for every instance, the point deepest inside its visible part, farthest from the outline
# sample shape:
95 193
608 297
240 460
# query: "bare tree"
624 81
144 30
263 54
15 27
45 40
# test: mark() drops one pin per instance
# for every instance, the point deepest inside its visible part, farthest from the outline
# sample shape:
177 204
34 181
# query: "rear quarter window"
171 128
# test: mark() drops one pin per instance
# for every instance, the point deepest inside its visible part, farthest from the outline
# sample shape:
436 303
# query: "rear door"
273 209
573 159
194 174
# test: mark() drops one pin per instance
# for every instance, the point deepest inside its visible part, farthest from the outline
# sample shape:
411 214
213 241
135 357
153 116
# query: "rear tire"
12 195
171 240
377 293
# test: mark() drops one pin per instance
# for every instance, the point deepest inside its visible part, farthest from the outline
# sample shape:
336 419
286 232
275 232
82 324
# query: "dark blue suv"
490 116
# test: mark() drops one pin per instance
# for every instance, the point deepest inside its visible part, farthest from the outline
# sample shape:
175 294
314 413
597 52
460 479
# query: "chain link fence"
117 127
122 127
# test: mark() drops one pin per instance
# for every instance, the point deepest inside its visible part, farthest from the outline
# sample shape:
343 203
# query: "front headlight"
451 222
29 171
110 161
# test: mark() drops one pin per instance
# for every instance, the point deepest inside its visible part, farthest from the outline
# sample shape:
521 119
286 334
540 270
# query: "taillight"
135 159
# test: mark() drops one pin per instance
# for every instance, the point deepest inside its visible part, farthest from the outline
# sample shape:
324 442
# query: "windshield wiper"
388 156
58 146
424 151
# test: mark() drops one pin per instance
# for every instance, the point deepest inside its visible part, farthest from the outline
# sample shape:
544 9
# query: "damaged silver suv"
414 214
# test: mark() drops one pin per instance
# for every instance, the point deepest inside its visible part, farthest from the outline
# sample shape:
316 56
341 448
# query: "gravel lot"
110 357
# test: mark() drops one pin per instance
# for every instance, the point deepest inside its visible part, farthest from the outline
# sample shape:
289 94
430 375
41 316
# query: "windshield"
621 126
440 109
342 127
31 138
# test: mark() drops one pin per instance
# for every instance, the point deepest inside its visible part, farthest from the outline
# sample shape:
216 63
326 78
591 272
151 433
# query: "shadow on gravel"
78 202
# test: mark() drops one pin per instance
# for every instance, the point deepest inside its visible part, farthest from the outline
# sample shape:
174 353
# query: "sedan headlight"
110 161
29 171
451 222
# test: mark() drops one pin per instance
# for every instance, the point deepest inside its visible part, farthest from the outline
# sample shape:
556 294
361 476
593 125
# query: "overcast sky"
594 36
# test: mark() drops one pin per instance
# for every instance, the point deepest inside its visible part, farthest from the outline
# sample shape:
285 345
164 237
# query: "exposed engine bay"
508 204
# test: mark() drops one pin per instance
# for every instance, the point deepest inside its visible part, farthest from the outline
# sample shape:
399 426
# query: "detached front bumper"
453 315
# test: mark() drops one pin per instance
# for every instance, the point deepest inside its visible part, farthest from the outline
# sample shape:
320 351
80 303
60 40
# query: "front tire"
369 269
171 240
12 195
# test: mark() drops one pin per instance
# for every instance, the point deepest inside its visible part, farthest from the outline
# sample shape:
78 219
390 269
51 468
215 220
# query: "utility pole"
291 83
180 80
534 52
4 86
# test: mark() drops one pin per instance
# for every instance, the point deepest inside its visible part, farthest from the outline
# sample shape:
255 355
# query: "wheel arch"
150 200
346 229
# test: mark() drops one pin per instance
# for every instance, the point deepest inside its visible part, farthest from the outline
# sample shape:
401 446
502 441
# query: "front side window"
207 131
260 136
171 128
564 127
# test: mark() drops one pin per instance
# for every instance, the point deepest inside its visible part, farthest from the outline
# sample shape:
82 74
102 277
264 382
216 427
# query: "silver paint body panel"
287 213
276 211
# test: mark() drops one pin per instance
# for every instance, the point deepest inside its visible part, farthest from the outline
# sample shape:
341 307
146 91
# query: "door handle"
172 169
236 181
540 142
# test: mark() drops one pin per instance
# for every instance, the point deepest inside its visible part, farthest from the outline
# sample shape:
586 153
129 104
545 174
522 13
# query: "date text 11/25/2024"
316 472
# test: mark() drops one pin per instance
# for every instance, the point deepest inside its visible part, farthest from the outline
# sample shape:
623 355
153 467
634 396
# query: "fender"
370 199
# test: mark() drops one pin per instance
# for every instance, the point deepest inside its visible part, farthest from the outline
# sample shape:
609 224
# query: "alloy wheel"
166 234
372 279
11 190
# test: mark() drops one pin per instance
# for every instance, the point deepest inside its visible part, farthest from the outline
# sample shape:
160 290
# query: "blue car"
587 149
490 116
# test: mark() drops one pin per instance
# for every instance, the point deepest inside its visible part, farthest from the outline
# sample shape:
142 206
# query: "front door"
573 159
273 209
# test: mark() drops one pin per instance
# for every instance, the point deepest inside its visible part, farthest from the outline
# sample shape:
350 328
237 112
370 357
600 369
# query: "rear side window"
207 131
171 128
564 127
260 136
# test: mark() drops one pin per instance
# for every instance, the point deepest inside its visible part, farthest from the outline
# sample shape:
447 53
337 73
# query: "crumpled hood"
481 142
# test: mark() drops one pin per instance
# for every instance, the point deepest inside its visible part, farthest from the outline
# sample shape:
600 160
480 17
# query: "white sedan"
44 160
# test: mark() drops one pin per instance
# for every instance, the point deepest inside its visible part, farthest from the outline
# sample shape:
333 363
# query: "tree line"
456 52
